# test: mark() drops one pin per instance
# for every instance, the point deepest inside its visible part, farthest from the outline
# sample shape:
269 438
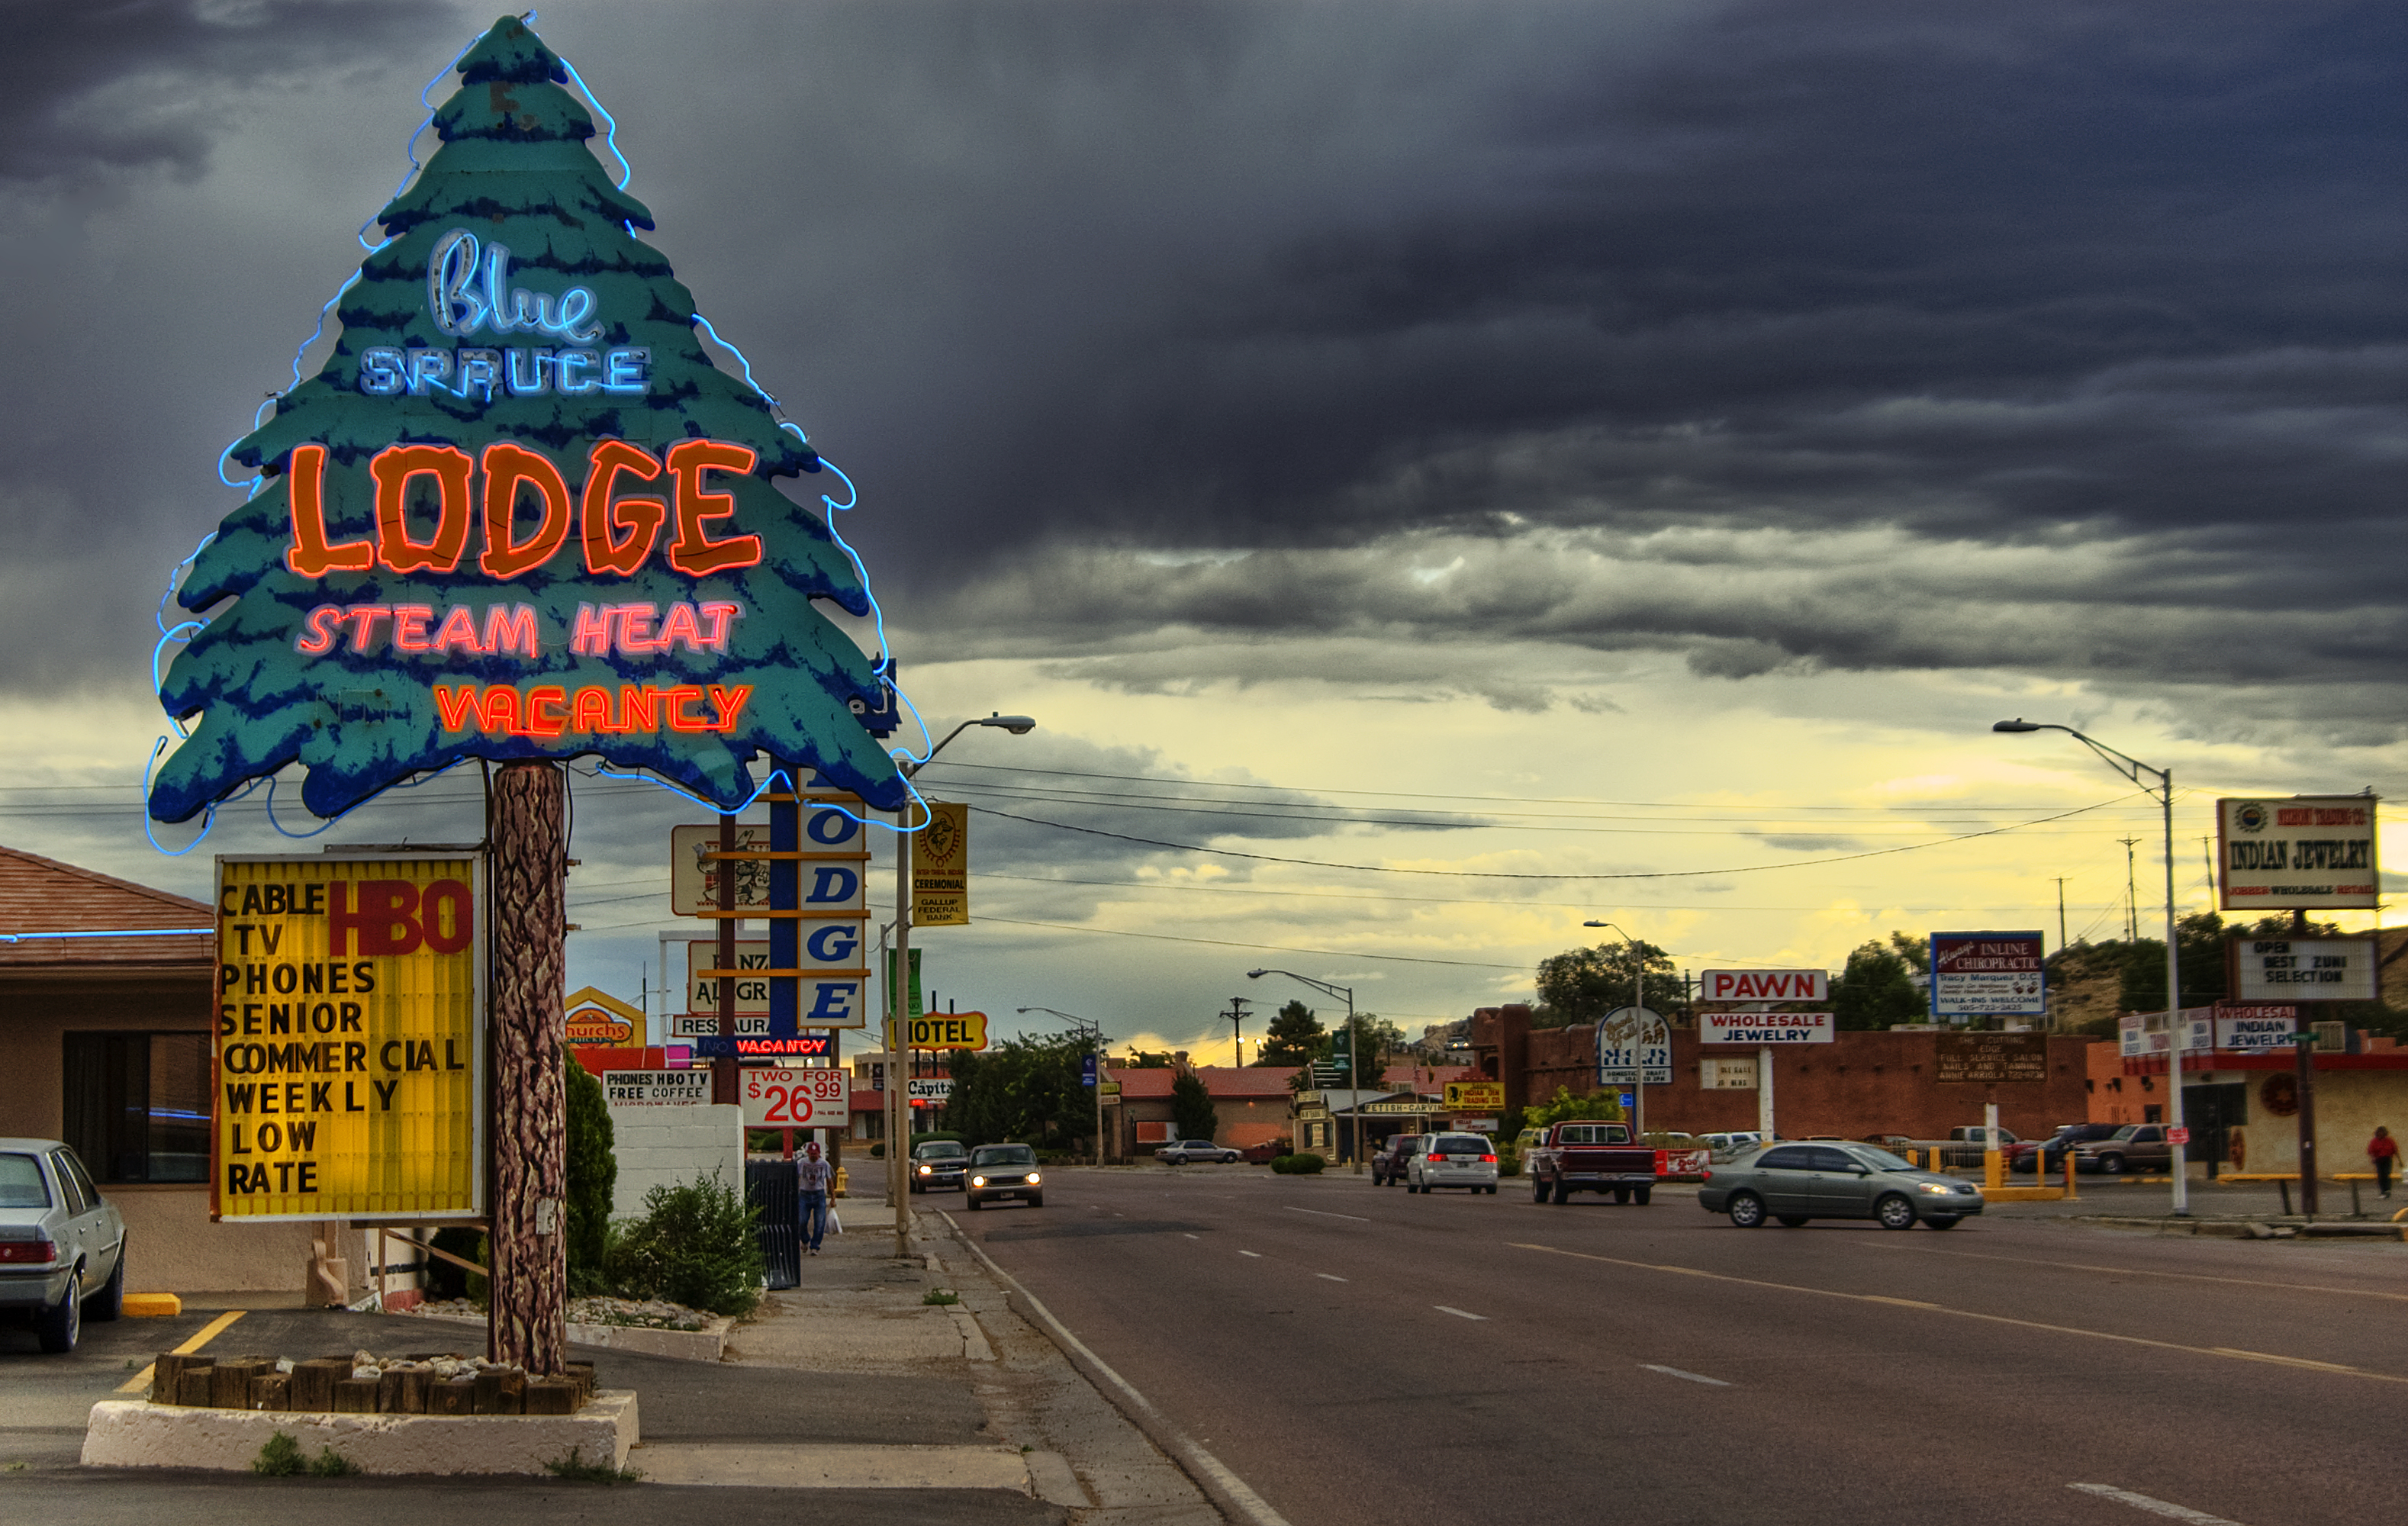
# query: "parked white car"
1183 1152
62 1243
1465 1160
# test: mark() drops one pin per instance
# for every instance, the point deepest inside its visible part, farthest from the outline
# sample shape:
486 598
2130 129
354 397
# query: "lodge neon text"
616 535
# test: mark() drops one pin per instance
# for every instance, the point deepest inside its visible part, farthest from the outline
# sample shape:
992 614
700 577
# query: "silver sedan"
1794 1183
62 1243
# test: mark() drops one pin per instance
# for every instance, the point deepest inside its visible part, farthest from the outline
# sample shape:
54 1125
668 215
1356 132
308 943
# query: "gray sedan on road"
62 1243
1794 1183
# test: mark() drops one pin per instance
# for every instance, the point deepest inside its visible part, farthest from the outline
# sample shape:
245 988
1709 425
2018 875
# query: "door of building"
2211 1112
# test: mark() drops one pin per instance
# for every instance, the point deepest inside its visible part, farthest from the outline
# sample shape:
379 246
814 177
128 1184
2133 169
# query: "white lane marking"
1460 1314
1194 1237
2154 1508
1320 1213
1252 1505
1675 1372
1255 1254
1327 1277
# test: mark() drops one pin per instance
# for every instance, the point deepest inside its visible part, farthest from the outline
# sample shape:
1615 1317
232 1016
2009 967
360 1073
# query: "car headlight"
1935 1187
927 1171
978 1181
1034 1178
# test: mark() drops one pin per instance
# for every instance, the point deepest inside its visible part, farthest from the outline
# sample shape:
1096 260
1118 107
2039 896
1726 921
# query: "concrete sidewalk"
877 1388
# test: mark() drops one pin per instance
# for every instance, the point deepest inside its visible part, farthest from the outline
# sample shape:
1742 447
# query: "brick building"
1860 1083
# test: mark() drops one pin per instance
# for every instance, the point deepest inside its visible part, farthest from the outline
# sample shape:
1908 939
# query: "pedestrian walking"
2382 1150
813 1177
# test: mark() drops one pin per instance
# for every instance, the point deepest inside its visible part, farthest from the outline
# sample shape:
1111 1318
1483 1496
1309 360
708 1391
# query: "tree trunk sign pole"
530 1123
898 1102
723 1069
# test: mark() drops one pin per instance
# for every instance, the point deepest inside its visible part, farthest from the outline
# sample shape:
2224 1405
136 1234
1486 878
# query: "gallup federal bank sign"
519 513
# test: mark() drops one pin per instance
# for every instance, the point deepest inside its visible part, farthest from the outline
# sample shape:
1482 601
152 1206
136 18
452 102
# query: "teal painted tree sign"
519 513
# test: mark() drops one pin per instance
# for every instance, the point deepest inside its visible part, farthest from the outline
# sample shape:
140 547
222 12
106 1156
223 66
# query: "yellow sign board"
949 1030
597 1017
1475 1096
349 1058
940 868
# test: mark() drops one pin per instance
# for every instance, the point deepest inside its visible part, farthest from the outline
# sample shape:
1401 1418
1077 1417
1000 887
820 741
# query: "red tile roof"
1143 1085
1259 1081
41 894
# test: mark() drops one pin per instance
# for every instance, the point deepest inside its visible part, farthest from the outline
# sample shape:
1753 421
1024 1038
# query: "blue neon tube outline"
610 138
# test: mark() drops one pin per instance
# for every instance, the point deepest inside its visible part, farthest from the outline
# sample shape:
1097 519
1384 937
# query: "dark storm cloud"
2060 339
88 88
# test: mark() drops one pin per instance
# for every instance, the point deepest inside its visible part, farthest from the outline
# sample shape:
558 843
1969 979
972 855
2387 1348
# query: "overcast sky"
1574 440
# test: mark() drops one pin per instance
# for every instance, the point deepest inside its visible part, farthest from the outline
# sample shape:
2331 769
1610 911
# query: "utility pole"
1237 1015
2131 896
2060 914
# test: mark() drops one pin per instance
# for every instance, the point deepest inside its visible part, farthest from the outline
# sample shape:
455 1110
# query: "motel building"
105 1002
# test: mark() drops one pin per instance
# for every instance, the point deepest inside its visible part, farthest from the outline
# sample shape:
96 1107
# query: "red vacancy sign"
2177 1136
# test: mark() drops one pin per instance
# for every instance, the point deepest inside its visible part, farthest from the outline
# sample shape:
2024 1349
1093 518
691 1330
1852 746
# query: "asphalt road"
1345 1349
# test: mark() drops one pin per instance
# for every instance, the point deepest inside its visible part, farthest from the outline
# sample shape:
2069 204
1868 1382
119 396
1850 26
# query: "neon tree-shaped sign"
519 513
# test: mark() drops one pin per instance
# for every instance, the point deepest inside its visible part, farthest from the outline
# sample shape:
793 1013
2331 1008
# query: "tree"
1026 1090
1566 1108
1295 1037
1585 984
1876 988
2200 947
1373 1037
1191 1108
388 616
593 1178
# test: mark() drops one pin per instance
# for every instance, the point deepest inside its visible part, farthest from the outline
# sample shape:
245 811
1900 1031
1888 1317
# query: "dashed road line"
2154 1506
1460 1314
2229 1353
1255 1254
1322 1213
1675 1372
1329 1276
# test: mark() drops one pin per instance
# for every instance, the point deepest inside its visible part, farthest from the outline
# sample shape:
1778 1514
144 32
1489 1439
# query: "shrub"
1508 1162
593 1177
1282 1163
695 1245
280 1458
1307 1164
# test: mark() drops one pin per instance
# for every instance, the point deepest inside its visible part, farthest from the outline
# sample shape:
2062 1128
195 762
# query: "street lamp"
899 1108
1093 1032
1354 1050
2134 770
1637 1005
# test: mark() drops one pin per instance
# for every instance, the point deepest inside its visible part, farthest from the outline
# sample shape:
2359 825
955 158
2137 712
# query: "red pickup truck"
1590 1158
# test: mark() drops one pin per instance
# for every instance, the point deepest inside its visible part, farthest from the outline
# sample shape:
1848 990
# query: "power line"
1272 948
1503 874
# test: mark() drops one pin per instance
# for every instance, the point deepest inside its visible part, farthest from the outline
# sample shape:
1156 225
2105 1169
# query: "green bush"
1307 1164
695 1245
593 1178
1279 1163
1508 1163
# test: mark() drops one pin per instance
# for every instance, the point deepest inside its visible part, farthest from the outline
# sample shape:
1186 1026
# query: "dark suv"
938 1165
1396 1152
2140 1146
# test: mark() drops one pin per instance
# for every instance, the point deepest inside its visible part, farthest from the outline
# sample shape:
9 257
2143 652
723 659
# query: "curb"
137 1434
708 1343
1228 1492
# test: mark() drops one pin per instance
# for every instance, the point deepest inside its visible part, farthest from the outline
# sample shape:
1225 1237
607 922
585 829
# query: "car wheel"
1943 1223
1895 1212
111 1300
1622 1194
1538 1189
1641 1195
1747 1211
2112 1165
975 1205
63 1323
1792 1220
1563 1190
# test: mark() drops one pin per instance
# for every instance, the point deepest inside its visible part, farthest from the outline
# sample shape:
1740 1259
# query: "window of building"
137 1105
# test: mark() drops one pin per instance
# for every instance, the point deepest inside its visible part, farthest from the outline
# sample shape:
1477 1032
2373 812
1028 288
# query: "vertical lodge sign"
350 1040
519 513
